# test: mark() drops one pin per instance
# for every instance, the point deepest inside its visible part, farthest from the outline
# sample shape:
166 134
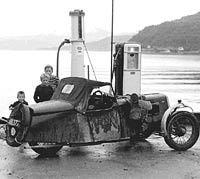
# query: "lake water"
177 76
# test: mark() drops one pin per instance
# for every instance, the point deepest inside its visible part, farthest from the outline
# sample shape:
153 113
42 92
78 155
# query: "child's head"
20 96
44 78
48 69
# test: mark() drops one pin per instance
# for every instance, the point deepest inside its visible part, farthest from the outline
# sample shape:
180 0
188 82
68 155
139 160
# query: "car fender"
170 111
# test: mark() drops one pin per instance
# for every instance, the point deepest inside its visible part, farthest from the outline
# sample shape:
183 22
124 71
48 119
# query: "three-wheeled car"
83 111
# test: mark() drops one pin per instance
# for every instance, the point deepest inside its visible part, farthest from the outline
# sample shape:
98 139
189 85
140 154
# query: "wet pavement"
151 158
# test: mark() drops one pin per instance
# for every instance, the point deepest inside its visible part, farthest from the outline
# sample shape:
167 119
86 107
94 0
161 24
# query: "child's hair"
20 92
44 75
48 66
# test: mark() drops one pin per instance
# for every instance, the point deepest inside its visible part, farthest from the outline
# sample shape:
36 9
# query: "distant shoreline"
171 53
143 52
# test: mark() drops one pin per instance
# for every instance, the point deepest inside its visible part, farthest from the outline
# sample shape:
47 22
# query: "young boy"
53 81
21 99
44 91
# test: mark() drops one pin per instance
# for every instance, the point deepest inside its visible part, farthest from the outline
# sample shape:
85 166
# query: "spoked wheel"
44 148
183 131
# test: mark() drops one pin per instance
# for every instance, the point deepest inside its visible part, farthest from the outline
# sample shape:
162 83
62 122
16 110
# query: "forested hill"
184 32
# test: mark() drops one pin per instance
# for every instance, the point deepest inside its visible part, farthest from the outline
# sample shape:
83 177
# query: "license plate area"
14 122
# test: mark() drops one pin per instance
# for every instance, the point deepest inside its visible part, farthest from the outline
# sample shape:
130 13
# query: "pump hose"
113 69
89 60
58 53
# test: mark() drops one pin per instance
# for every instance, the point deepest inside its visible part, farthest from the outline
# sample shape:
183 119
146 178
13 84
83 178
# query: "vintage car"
83 111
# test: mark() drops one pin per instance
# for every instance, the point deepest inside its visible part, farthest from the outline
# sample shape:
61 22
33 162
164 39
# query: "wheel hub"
180 131
13 131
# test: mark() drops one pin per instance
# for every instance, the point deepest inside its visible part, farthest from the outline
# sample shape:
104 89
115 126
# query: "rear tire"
47 151
182 131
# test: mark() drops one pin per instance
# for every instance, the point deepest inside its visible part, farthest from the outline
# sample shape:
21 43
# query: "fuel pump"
77 41
127 68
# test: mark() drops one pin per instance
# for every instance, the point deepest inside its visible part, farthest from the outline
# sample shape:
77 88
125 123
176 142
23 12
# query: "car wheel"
45 149
11 133
182 131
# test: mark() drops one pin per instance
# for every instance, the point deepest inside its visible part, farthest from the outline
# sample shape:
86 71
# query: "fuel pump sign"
132 69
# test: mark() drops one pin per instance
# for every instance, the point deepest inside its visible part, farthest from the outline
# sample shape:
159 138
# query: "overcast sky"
30 17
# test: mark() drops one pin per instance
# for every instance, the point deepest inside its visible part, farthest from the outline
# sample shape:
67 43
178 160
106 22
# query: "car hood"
51 106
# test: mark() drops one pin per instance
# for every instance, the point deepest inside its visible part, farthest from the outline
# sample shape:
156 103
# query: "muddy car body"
85 112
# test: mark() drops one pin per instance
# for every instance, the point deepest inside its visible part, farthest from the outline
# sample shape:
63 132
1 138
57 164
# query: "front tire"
182 131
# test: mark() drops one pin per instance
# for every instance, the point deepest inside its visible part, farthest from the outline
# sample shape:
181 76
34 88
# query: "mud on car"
83 111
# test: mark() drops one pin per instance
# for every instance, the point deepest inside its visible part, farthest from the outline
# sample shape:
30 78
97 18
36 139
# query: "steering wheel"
96 92
98 98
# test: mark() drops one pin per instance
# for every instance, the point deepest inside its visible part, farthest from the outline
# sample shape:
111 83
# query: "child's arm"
11 107
36 96
25 102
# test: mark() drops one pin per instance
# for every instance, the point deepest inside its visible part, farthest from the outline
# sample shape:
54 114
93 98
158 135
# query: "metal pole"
88 70
111 65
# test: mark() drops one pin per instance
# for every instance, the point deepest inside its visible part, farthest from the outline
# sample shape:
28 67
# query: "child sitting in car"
53 81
